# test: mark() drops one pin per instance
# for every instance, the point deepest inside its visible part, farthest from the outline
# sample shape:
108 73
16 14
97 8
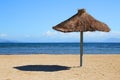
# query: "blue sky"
32 20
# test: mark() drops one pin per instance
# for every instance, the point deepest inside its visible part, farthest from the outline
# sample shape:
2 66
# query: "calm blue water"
59 48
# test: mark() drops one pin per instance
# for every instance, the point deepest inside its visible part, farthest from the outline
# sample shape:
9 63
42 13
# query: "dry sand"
95 67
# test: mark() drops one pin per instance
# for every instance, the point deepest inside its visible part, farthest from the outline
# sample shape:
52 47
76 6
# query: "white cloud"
71 35
114 34
101 36
77 34
50 33
60 34
95 34
3 35
88 36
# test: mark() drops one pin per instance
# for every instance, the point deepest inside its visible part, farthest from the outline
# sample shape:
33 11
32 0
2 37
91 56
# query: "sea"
58 48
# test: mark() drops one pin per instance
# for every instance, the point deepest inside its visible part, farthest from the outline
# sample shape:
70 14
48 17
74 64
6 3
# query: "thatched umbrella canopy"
81 22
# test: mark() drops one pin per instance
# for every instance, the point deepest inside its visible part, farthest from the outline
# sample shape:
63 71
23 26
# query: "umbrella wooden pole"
81 48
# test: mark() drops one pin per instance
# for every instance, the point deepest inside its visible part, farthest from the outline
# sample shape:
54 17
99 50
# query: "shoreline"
62 54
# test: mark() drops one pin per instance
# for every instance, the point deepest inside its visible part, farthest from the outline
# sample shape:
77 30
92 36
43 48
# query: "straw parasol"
81 22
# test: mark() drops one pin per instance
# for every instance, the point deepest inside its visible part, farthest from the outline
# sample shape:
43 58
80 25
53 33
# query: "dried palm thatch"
81 22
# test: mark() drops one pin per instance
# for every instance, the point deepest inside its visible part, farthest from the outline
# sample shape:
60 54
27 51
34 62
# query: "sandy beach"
59 67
